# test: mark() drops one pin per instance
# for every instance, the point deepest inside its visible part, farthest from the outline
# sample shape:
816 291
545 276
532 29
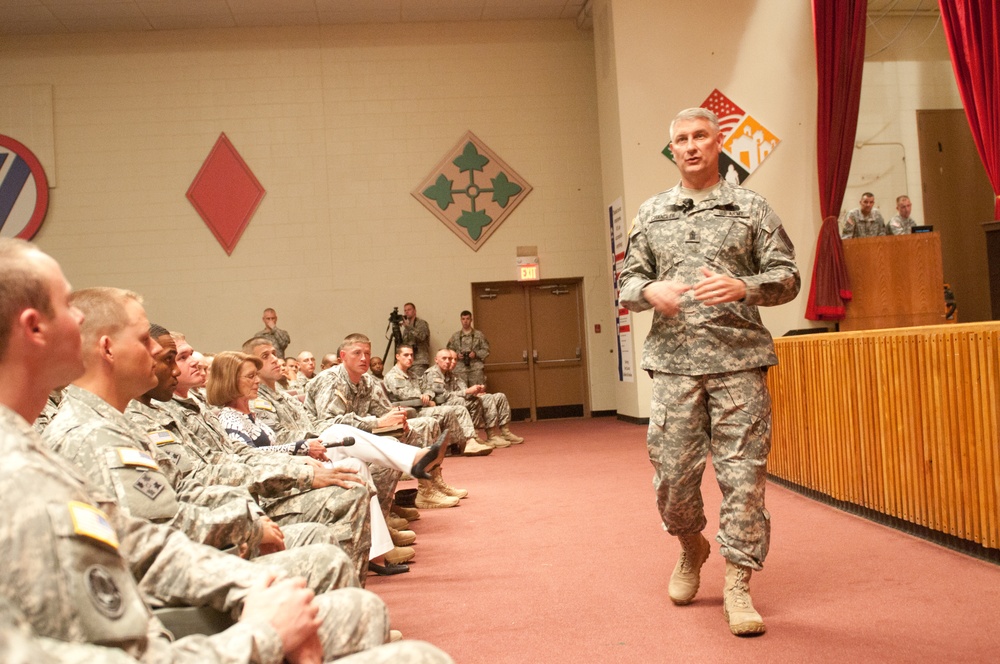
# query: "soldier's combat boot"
686 578
496 440
446 488
408 513
473 448
510 435
736 604
428 496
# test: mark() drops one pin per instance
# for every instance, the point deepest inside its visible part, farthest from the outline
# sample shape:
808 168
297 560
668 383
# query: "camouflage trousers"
385 480
472 375
423 431
401 652
493 409
325 567
729 416
345 511
455 419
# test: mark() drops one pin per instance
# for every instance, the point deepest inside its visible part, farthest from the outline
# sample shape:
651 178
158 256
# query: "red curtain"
972 28
839 30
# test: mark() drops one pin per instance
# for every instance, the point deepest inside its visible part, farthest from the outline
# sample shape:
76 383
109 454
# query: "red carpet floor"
558 555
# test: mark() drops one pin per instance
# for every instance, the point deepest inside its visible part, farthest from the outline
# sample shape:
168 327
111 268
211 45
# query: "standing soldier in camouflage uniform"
279 338
473 349
704 255
70 556
416 334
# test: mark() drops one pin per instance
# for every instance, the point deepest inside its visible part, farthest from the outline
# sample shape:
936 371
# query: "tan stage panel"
905 422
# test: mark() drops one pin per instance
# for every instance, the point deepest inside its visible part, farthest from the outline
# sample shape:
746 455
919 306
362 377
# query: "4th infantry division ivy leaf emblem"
472 191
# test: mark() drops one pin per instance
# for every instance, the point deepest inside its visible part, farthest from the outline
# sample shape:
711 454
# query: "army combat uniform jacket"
734 233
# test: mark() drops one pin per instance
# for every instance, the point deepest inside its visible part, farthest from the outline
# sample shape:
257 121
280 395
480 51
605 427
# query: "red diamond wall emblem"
225 193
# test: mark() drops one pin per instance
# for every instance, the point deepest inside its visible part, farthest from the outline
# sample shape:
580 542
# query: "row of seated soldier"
165 489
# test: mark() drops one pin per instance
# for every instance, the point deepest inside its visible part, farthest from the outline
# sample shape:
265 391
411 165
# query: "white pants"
380 450
381 539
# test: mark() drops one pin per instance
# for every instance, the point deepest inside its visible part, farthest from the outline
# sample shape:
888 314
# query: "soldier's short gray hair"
698 113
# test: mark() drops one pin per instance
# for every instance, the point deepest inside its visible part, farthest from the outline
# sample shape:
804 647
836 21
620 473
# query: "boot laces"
739 594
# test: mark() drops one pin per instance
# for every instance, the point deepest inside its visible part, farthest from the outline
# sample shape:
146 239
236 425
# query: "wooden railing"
904 422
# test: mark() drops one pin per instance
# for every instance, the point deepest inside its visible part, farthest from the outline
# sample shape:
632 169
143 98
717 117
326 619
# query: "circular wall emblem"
24 190
104 592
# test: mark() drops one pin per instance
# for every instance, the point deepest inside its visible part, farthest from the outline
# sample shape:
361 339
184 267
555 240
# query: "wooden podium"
897 281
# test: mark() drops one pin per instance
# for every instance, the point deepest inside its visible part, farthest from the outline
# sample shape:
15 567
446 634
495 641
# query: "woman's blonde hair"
223 384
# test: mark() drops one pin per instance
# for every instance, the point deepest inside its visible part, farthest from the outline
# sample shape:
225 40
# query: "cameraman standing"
472 348
417 334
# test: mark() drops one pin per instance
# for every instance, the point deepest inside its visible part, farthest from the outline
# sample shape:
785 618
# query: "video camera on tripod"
395 320
393 332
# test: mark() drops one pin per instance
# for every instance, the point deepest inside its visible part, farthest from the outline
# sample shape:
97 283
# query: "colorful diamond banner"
746 144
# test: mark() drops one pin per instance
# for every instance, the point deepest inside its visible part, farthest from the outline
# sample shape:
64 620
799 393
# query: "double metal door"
537 351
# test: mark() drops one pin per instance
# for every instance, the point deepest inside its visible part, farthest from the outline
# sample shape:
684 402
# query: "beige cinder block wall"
339 124
655 58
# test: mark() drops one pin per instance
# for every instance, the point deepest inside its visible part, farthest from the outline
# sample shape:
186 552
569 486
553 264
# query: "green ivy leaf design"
470 160
474 222
440 192
504 189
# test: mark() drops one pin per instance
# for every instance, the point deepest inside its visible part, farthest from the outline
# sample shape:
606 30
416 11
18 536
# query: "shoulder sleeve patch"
771 222
262 404
130 456
90 522
160 437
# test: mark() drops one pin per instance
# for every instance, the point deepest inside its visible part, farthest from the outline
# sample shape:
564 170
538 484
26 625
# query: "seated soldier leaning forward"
491 411
404 390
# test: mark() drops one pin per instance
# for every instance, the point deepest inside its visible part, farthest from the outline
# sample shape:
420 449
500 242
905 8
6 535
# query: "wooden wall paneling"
991 451
965 423
927 404
905 422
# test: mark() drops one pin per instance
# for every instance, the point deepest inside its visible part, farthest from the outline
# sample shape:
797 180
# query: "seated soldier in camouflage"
388 458
348 394
307 366
180 468
92 432
405 390
491 411
329 360
56 524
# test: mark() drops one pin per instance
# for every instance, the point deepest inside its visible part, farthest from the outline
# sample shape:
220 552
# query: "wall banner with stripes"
24 190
